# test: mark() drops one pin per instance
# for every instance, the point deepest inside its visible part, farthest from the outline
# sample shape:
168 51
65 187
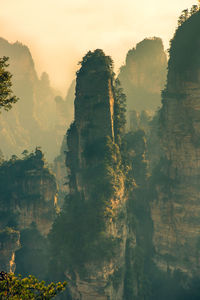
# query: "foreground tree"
7 99
18 288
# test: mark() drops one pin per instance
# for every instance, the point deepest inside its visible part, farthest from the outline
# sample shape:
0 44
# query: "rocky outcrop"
30 195
9 243
96 206
144 74
138 251
34 120
27 210
176 209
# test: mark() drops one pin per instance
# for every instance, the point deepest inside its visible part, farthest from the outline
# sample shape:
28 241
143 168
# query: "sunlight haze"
59 32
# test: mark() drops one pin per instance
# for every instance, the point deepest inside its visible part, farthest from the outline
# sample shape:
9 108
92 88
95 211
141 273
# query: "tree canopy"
7 99
185 14
96 60
18 288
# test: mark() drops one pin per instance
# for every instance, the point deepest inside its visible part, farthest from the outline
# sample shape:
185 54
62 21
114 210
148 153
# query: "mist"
60 32
100 149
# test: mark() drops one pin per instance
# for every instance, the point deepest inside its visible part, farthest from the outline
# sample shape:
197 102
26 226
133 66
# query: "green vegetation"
186 14
100 167
138 257
29 161
18 171
184 51
18 288
133 154
85 221
119 112
7 99
20 184
96 60
94 163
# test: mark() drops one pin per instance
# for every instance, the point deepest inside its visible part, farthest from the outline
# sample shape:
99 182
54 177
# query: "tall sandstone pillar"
176 210
92 228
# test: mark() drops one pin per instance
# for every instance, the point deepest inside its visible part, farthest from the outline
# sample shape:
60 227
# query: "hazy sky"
60 32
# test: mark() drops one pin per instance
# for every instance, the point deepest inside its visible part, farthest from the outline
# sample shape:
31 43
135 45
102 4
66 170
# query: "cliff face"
176 209
39 188
29 196
27 199
144 74
138 252
94 214
9 243
33 121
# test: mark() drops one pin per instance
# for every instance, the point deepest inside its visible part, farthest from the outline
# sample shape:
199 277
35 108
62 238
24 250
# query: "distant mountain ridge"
35 119
144 75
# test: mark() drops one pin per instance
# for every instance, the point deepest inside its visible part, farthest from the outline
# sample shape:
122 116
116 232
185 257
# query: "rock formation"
9 243
176 208
138 250
28 192
144 74
92 223
28 196
129 228
34 120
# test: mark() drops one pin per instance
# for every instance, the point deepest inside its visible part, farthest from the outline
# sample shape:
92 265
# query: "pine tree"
7 99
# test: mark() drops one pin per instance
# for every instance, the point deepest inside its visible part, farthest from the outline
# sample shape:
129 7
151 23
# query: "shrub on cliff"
96 59
184 51
119 111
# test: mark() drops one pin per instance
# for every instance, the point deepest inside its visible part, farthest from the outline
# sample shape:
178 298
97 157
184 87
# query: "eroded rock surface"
96 205
176 211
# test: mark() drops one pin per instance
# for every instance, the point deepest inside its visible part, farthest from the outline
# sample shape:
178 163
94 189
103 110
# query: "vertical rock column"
94 216
176 211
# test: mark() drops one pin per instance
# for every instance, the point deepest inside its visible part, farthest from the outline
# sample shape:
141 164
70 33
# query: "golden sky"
60 32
